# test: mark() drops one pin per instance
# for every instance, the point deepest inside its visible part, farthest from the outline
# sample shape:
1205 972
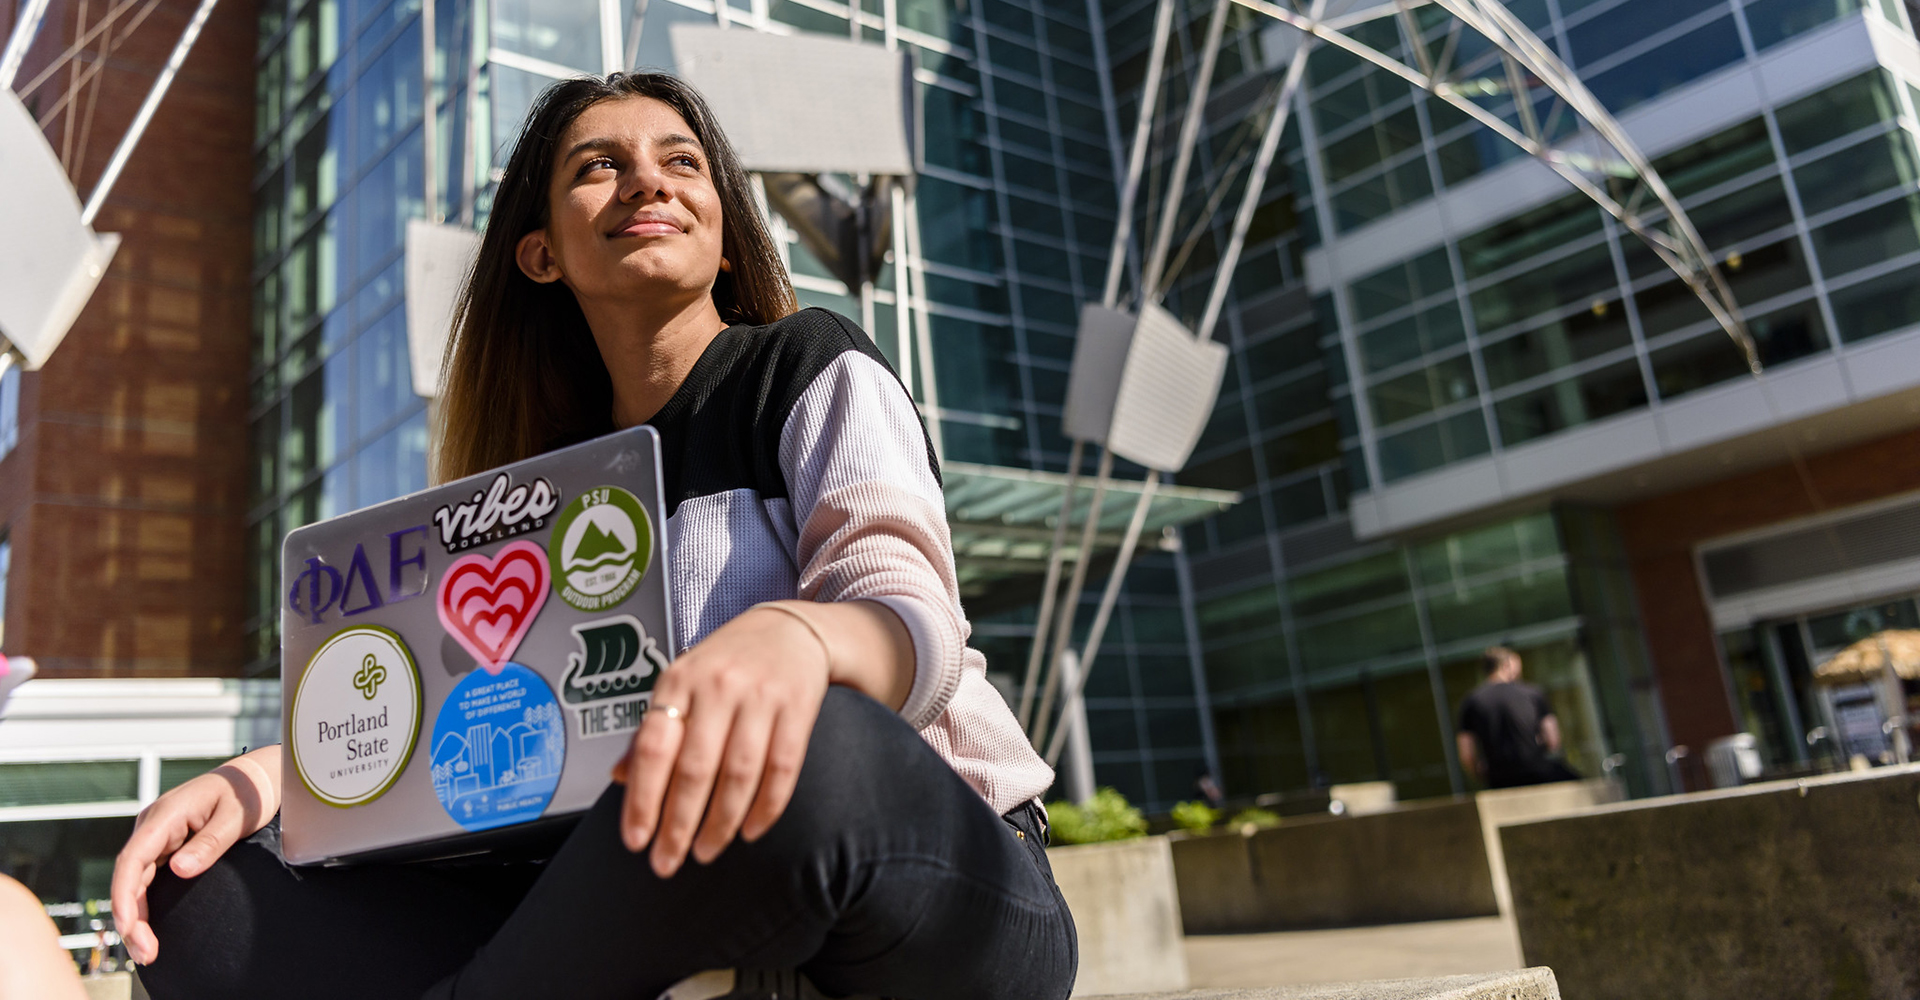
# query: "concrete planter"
1127 913
1432 860
1805 888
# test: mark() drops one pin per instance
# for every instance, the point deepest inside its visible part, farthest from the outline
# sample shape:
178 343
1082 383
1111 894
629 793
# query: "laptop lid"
470 660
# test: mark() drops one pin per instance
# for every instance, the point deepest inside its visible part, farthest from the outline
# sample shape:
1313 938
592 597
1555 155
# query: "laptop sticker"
355 716
488 604
502 510
498 748
608 681
601 546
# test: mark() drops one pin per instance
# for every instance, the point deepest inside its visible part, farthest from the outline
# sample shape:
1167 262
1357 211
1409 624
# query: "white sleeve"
871 517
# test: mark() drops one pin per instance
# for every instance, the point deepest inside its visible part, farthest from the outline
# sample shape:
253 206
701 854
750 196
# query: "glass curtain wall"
1016 194
1332 660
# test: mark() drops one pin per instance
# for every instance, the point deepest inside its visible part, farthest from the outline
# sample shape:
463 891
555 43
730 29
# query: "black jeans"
887 875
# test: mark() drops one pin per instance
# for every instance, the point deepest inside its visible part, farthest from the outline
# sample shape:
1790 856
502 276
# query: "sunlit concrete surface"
1395 951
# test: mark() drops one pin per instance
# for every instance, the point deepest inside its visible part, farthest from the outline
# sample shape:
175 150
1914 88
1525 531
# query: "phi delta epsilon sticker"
355 716
600 548
498 746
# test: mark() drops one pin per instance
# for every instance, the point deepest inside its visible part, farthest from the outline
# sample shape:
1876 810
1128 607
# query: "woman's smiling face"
632 207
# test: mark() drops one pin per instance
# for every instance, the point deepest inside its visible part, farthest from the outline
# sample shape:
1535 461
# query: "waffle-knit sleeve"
871 518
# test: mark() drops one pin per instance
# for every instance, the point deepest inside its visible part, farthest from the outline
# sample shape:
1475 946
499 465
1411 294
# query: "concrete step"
1523 984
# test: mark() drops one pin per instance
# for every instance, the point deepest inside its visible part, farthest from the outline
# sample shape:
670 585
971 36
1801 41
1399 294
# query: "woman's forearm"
867 647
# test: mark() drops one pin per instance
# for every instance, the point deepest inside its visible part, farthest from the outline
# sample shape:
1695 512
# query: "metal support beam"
1680 248
24 32
1183 157
1137 157
144 117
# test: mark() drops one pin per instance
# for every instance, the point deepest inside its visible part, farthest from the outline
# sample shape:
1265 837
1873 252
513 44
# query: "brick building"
122 498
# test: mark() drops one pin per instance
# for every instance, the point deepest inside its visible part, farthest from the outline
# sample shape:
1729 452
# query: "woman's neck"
648 354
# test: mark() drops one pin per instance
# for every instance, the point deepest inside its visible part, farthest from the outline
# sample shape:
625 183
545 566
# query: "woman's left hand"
747 697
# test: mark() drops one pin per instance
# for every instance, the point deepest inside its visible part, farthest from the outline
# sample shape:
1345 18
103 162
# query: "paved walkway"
1434 948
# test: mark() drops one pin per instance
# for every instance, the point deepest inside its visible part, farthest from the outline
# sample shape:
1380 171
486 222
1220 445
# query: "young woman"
858 803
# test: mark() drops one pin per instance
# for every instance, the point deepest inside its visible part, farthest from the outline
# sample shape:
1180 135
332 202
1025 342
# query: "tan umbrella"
1866 660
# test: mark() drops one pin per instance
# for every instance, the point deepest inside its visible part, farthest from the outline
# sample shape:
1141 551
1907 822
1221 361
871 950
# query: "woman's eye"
597 163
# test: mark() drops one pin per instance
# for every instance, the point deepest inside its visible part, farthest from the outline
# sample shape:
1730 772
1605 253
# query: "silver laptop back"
469 661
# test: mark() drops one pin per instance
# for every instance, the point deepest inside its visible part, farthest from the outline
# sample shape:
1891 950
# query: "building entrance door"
1770 667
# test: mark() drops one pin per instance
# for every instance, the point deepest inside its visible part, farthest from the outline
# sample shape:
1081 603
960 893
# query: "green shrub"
1106 816
1195 817
1259 819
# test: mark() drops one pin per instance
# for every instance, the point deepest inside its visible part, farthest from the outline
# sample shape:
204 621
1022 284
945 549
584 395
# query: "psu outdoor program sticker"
600 548
498 747
356 715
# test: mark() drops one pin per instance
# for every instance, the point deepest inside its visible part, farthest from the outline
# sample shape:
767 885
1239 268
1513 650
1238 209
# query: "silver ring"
673 711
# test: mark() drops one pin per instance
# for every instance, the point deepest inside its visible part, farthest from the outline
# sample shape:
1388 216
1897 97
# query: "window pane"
1855 172
1872 236
1546 228
1382 632
1571 280
1463 612
1423 391
1466 554
1743 214
1716 159
1460 436
1775 21
1766 272
1409 338
1611 390
1712 357
1874 307
1370 579
1839 110
566 32
1628 24
1401 284
1602 327
1675 64
179 770
47 784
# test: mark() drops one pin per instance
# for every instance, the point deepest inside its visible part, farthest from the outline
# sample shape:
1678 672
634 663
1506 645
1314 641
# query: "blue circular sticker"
498 746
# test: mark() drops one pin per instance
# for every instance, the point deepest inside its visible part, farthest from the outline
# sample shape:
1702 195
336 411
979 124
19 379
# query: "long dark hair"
522 372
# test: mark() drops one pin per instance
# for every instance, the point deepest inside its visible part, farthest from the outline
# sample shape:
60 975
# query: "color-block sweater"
796 466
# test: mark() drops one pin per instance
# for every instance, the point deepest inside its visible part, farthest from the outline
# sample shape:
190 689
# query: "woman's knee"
863 763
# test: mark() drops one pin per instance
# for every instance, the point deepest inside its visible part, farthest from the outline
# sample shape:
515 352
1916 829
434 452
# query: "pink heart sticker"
488 604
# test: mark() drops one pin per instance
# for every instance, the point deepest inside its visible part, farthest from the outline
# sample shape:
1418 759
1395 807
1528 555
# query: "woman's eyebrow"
676 139
588 145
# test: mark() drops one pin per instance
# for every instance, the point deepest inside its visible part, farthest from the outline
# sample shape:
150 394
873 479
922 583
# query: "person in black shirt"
1508 734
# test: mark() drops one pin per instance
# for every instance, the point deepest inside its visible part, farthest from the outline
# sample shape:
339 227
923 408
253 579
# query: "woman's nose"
643 183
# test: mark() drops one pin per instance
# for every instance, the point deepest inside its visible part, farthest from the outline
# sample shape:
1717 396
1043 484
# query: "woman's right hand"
189 828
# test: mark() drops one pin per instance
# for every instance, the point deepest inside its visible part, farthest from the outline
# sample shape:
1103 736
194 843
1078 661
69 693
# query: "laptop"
461 667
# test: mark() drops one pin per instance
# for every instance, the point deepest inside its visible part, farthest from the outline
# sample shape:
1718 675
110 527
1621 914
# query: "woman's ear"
535 258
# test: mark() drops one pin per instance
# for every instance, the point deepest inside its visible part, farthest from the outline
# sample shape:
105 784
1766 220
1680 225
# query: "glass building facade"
1282 645
1334 653
1016 196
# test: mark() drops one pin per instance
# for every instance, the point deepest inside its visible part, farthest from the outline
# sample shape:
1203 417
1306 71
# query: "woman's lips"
648 227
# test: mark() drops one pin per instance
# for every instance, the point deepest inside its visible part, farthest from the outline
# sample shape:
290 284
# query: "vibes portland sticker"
601 546
489 604
608 681
498 748
355 716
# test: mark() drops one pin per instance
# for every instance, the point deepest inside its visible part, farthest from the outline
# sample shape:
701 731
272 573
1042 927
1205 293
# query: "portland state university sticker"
600 548
356 715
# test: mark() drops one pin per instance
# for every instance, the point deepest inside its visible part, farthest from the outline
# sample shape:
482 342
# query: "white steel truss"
1476 56
1509 63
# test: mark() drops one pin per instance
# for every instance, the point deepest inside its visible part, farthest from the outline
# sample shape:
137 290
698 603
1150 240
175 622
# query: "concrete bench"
1522 984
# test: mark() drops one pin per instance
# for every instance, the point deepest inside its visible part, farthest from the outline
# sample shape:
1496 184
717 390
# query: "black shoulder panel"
721 430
